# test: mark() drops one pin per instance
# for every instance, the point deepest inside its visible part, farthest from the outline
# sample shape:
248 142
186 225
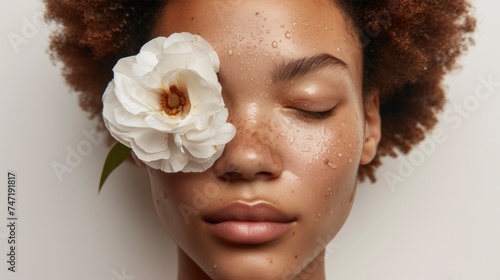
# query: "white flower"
166 104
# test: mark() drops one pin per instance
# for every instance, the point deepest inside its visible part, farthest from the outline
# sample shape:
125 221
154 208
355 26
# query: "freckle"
293 233
270 260
192 18
296 256
257 13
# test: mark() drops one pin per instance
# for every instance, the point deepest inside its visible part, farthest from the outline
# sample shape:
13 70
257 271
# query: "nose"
252 154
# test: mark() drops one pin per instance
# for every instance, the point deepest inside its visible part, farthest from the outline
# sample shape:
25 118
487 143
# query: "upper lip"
251 212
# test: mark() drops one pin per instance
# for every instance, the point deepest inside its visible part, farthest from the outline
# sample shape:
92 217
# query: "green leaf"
116 156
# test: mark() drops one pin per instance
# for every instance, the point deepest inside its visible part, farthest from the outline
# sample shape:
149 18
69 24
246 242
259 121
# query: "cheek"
325 156
314 149
174 203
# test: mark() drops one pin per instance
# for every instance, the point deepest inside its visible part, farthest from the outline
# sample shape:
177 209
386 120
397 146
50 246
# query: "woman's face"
291 73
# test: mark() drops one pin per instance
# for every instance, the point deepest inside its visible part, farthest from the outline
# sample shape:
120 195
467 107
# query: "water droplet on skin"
163 195
230 52
287 35
340 155
278 53
267 31
333 166
274 44
248 44
261 39
282 26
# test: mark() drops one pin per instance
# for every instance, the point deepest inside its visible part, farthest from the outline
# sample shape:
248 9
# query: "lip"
249 223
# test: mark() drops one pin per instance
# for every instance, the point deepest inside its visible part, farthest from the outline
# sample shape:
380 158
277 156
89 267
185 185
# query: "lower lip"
247 232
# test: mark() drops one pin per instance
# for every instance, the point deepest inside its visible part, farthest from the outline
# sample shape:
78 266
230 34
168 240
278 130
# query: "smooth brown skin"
305 166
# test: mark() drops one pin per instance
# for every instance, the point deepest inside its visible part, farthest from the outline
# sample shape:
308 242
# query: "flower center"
173 101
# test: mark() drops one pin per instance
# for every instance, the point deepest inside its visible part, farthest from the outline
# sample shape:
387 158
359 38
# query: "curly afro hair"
408 47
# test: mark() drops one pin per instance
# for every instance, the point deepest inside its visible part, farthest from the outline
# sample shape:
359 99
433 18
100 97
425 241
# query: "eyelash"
315 115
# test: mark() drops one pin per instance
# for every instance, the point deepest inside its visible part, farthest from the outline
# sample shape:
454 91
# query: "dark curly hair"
408 47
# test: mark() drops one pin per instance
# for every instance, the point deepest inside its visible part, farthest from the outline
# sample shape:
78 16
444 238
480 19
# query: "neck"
188 269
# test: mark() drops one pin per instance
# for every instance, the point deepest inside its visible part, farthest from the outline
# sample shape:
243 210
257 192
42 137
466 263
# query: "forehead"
275 28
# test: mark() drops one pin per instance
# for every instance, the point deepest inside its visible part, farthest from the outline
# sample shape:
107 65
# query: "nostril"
229 176
264 174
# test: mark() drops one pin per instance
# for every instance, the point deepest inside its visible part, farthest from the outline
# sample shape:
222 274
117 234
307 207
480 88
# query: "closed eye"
315 115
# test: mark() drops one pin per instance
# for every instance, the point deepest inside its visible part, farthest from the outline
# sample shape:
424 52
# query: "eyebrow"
295 68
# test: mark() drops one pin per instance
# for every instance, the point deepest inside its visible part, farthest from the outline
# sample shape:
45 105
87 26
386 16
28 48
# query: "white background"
441 223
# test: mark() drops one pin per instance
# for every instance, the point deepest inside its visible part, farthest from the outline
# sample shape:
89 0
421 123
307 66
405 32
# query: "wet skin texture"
291 73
